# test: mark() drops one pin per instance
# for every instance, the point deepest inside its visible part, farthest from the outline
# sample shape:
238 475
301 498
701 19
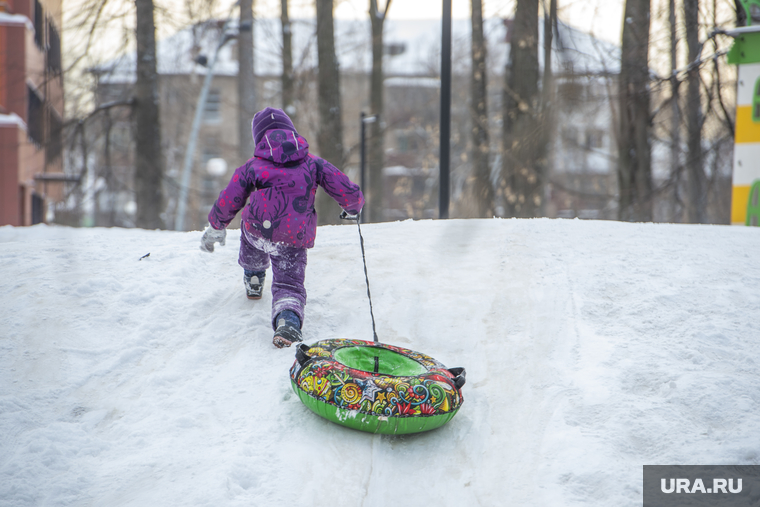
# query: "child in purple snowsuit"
280 223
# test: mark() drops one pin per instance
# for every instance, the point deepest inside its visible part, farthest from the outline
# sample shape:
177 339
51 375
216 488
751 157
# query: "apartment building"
31 110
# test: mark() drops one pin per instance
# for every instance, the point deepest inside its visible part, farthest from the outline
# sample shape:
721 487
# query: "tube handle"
460 375
301 354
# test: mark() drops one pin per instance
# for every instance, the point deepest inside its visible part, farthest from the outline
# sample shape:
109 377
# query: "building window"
570 137
210 149
55 134
570 91
21 205
54 49
211 111
38 204
594 139
35 118
394 48
406 142
39 25
121 136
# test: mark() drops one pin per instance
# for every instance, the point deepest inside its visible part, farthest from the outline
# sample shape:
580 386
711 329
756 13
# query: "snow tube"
376 387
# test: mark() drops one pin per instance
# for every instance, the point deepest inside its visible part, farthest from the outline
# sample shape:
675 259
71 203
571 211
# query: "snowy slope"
592 348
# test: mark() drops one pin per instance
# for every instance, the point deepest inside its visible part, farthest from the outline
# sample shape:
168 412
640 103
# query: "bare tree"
482 188
697 128
288 93
634 159
149 159
377 19
675 110
696 206
246 81
521 181
330 135
546 118
550 23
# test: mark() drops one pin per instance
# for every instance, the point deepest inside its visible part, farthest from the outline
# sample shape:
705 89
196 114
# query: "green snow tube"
375 387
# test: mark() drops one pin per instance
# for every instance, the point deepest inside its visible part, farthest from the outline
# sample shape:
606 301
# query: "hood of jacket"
282 147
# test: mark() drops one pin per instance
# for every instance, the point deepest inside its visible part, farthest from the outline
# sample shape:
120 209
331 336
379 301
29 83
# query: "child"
280 222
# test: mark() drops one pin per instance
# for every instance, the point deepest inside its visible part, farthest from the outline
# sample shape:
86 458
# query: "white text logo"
685 486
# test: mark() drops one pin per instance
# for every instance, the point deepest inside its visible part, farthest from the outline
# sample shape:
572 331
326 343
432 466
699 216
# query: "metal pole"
363 158
179 223
363 164
445 127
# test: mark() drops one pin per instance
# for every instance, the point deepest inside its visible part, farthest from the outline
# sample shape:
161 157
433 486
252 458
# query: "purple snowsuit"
280 222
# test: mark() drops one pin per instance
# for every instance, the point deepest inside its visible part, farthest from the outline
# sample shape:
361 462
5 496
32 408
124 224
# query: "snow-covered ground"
592 348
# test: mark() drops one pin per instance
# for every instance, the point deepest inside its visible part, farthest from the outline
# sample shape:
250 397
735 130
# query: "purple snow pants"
288 271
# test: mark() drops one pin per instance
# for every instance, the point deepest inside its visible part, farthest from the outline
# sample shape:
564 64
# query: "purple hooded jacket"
282 179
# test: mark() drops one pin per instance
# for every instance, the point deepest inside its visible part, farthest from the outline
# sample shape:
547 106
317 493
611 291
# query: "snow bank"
592 348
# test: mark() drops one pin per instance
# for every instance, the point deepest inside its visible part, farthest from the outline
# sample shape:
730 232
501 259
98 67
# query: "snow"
592 348
16 20
9 120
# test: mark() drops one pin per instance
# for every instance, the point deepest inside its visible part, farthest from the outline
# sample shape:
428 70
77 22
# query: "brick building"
31 110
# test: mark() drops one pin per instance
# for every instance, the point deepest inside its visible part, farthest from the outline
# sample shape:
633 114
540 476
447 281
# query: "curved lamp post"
179 223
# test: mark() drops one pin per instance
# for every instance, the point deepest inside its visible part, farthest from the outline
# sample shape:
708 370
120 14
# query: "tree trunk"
696 206
246 80
522 182
149 160
634 158
481 170
547 88
330 135
376 132
675 110
546 118
288 95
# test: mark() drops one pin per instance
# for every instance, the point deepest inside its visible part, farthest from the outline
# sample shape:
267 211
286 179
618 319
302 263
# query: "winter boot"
288 330
254 284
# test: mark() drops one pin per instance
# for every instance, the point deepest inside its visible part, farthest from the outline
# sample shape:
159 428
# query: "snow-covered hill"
592 348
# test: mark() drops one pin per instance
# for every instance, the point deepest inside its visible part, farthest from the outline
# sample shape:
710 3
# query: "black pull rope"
369 296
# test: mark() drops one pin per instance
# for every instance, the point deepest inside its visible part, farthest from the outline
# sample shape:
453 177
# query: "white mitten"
211 236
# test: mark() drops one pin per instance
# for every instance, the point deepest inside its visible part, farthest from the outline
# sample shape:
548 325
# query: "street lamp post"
445 127
363 154
179 223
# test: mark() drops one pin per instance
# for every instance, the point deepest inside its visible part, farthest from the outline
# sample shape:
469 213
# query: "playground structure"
745 53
